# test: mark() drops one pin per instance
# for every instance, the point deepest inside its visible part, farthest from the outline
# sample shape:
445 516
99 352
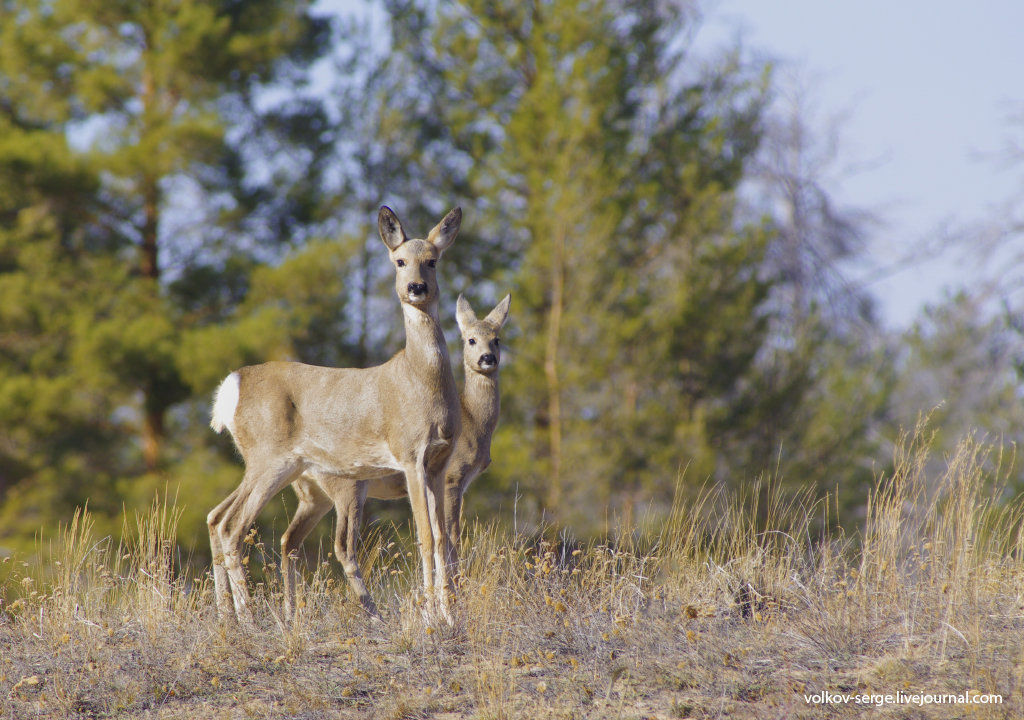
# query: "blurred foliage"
177 202
963 368
654 326
132 270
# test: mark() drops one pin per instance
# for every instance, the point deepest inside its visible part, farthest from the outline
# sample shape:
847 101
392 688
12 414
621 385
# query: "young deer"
290 420
480 404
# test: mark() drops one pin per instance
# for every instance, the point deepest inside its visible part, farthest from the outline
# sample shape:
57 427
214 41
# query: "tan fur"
480 405
297 421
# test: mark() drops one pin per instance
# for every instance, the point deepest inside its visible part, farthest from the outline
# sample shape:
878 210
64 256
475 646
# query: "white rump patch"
225 400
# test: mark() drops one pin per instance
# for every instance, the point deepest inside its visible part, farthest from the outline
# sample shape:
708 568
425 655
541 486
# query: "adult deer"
480 403
289 419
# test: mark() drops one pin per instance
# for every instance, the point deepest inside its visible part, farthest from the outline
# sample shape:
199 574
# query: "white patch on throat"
418 315
422 324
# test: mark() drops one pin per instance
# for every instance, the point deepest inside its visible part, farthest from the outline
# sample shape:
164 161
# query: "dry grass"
721 614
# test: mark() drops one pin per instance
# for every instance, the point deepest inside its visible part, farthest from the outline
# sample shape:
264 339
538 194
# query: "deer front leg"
429 535
438 527
434 472
349 505
313 505
415 479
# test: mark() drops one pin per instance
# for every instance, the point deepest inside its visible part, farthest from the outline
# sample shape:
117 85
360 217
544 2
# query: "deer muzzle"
418 292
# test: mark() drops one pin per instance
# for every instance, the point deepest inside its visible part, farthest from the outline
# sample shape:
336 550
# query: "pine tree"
53 426
117 258
604 179
157 76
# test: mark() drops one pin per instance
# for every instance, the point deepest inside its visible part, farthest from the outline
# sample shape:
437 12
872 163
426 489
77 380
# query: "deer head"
481 347
415 260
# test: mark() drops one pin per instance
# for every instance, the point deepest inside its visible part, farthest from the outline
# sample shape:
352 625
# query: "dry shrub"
739 605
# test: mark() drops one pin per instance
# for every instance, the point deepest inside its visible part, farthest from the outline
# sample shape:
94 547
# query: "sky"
927 90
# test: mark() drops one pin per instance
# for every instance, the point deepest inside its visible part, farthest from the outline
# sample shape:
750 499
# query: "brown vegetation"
713 616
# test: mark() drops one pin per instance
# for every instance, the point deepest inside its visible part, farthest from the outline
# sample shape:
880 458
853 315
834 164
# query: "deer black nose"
417 288
488 360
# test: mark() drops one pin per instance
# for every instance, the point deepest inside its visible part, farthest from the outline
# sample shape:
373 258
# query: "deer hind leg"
349 505
389 487
221 583
453 525
260 484
313 505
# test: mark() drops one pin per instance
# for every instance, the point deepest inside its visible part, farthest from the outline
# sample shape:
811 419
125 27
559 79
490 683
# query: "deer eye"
497 341
400 263
432 263
472 341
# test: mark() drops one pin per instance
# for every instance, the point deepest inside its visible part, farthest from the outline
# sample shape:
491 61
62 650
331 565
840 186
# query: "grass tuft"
739 606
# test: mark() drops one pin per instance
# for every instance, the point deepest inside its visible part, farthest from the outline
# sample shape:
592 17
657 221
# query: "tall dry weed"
739 605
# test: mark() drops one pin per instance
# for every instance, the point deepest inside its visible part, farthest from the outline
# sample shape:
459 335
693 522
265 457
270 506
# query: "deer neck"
481 400
425 347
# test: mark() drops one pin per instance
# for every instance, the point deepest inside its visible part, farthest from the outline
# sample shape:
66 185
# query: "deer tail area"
225 400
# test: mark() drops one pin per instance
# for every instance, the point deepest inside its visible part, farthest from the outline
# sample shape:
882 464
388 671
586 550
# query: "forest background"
178 198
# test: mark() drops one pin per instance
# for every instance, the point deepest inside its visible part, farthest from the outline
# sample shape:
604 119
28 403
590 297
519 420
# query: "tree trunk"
551 372
151 207
153 419
152 438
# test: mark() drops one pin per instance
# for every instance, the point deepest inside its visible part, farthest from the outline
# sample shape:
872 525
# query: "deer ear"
464 314
442 236
499 314
391 231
